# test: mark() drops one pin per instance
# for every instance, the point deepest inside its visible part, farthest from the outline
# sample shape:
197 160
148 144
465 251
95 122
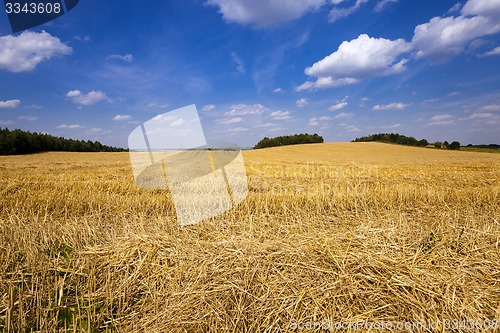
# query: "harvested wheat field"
330 234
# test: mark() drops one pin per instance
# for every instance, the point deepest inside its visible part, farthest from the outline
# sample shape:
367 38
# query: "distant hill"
295 139
393 138
17 142
406 140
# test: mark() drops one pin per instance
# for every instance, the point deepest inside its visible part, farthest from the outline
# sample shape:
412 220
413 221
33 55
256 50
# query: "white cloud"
301 102
244 109
453 93
280 115
442 119
240 65
264 13
125 57
381 4
234 120
344 115
154 105
338 13
28 118
456 7
24 52
10 104
487 8
278 90
326 118
481 116
393 126
339 105
491 107
352 129
208 107
357 59
444 37
391 106
177 123
6 122
91 98
33 106
266 125
238 130
313 122
74 126
495 51
120 117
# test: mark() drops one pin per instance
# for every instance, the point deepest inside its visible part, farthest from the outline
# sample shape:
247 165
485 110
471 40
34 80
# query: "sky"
258 68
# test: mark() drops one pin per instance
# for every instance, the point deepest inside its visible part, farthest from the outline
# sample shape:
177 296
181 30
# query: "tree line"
289 140
14 142
406 140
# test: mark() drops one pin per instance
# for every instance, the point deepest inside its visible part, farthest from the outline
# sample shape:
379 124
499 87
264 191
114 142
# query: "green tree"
455 145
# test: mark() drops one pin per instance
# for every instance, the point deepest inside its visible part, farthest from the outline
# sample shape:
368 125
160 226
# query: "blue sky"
255 68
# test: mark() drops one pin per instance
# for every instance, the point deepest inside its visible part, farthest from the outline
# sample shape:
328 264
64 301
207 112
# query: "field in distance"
333 232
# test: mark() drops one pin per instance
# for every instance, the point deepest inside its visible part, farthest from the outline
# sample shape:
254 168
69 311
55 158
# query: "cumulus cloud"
280 115
301 102
264 13
9 104
444 37
358 59
441 119
24 52
441 38
90 98
487 8
74 126
391 106
125 57
120 117
244 110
